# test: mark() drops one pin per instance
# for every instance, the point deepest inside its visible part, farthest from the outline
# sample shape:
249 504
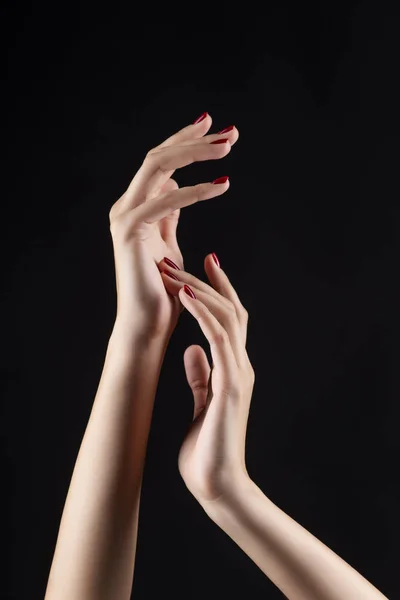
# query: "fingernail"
170 263
200 118
226 129
170 275
221 179
221 141
189 291
215 257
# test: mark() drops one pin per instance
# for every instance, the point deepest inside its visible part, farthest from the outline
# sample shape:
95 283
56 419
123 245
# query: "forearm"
96 544
300 565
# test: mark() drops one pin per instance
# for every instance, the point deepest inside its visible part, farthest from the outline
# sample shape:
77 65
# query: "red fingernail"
170 263
220 141
189 291
221 179
215 257
226 129
170 275
200 118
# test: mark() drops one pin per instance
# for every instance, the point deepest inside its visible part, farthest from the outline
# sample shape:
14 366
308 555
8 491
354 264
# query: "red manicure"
221 179
170 275
220 141
200 118
189 291
226 129
215 257
170 263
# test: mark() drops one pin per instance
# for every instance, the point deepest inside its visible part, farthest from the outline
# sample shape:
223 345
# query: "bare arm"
212 456
300 565
95 551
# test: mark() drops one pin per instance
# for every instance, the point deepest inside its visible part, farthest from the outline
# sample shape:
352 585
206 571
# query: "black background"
309 234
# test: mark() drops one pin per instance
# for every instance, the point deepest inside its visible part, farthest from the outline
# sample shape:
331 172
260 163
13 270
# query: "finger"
225 366
197 372
223 311
165 204
232 134
159 165
169 185
168 225
221 288
190 280
221 282
191 132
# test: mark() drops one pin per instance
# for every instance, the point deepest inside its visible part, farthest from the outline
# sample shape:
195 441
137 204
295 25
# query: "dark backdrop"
309 233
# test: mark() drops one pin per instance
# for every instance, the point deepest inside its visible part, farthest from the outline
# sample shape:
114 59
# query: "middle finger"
220 307
160 164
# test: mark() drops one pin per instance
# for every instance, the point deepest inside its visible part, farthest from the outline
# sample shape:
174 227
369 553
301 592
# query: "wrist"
132 355
128 334
235 492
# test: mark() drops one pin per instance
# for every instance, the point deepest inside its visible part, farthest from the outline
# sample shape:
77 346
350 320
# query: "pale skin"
95 552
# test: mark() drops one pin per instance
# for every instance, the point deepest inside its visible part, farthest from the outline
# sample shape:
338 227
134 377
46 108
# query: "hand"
144 220
212 457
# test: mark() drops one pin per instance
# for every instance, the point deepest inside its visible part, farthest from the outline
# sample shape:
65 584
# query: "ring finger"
160 164
220 288
220 307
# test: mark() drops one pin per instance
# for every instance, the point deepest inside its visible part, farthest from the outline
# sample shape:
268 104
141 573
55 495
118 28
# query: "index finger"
191 132
223 357
159 165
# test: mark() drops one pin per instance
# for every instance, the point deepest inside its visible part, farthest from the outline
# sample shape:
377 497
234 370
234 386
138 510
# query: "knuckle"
154 157
219 337
198 193
244 313
198 384
120 228
201 191
112 215
228 305
115 208
248 370
251 376
231 308
115 226
150 157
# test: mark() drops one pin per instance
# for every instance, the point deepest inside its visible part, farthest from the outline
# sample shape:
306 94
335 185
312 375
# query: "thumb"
169 224
198 373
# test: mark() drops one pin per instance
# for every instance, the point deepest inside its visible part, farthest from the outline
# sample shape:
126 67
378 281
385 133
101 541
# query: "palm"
201 457
195 453
143 224
153 242
204 454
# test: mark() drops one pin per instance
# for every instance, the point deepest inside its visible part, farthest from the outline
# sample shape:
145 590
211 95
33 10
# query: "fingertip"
189 292
212 269
170 275
184 298
205 116
182 294
221 180
208 260
201 118
215 259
